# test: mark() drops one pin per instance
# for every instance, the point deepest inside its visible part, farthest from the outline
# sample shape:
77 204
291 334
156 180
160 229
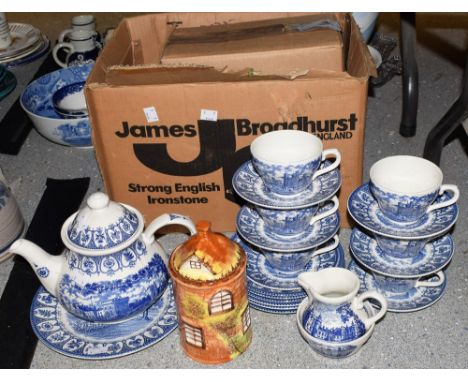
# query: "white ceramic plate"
23 36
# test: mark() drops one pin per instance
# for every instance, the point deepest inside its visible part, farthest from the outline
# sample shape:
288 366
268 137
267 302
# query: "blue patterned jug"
111 268
335 313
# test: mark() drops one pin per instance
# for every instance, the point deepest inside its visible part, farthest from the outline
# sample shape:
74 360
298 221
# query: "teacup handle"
64 33
330 247
432 284
332 210
335 164
59 46
445 187
359 304
166 219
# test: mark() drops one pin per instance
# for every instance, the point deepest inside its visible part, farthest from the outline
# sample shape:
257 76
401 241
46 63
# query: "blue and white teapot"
111 268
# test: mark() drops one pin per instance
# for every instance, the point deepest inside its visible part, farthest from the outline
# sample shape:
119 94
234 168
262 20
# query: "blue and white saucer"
417 299
252 229
249 186
77 338
260 272
365 210
434 256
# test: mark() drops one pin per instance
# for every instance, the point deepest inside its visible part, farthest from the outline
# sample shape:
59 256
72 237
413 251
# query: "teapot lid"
102 225
207 255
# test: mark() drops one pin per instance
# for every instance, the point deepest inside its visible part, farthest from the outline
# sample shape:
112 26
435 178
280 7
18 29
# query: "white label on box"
209 115
151 114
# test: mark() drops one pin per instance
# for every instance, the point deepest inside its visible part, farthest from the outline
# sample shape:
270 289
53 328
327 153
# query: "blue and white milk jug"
335 312
112 268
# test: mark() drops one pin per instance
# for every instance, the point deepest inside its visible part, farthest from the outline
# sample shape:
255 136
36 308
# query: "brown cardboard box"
176 161
278 46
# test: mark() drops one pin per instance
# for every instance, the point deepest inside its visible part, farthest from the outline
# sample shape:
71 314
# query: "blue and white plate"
434 256
249 186
414 300
364 209
77 338
252 229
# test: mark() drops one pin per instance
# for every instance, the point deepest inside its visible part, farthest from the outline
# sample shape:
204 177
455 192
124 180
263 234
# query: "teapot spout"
48 268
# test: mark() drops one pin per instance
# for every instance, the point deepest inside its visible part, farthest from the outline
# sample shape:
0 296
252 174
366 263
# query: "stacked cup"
291 223
405 212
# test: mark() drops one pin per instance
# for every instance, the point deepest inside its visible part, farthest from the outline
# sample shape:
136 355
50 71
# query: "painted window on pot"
221 302
193 335
195 264
246 319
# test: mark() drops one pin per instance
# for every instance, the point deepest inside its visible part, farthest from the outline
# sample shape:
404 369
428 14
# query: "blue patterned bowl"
36 101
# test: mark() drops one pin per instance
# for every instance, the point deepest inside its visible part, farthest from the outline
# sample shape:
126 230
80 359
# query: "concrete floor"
436 337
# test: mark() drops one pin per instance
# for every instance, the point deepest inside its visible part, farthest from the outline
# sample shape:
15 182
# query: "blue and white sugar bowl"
112 268
333 316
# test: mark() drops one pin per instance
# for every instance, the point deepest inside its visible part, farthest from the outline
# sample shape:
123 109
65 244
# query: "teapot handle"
166 219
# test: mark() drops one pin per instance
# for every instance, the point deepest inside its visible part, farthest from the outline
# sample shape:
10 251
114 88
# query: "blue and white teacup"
82 49
400 248
292 263
406 187
289 160
293 221
392 285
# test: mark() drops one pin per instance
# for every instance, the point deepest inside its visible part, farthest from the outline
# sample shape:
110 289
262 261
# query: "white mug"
82 48
82 22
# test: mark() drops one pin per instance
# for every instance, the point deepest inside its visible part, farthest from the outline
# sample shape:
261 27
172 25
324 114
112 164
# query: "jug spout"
48 268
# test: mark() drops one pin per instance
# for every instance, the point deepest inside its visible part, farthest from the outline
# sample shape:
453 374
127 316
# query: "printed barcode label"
209 115
151 114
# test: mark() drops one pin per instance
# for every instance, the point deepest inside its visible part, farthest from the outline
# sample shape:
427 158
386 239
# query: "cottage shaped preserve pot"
111 268
210 287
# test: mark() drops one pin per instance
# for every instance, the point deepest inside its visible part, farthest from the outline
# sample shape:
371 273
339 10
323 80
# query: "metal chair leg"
410 74
452 119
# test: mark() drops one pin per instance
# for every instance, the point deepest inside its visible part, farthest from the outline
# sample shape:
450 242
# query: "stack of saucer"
28 44
291 220
403 246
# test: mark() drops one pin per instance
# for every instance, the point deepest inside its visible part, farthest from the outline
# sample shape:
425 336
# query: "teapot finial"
203 226
98 200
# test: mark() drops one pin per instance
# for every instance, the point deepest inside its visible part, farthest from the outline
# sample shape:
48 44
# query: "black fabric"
16 125
17 340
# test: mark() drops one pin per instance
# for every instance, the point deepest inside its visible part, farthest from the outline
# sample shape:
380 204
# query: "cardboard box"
157 154
278 46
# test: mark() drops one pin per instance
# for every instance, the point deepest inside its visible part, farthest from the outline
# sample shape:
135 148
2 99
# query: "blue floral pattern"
433 257
411 301
286 179
251 227
250 187
364 209
402 208
115 299
105 237
74 337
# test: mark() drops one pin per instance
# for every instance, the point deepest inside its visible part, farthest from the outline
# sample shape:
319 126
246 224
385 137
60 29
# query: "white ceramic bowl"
333 349
36 101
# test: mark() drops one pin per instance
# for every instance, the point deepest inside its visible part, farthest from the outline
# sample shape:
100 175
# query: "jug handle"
166 219
359 301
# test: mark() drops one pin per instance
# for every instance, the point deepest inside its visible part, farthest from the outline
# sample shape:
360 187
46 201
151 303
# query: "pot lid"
207 255
102 225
